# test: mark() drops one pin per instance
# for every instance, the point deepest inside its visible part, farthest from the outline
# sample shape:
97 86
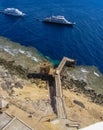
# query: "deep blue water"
83 42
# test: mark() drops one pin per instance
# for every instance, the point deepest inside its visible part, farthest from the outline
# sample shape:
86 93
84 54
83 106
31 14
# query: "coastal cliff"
82 90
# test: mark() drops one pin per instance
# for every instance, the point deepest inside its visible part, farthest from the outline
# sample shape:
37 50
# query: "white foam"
32 57
8 50
84 70
35 59
16 51
28 54
96 74
21 51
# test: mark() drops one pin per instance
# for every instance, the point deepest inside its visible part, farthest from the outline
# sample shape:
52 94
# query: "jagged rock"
18 85
79 103
101 117
80 86
30 115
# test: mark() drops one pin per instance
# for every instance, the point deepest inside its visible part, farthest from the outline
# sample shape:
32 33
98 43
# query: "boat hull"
14 14
52 22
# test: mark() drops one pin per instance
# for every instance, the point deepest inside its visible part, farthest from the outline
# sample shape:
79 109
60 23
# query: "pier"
61 112
65 61
60 107
53 77
56 87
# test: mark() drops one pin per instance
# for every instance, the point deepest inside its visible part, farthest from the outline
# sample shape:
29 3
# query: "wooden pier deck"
61 112
63 62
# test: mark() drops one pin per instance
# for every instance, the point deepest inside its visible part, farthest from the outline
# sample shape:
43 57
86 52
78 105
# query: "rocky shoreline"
81 87
23 91
10 80
15 75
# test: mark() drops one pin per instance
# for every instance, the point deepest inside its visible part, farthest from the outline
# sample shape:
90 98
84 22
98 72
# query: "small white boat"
13 12
58 20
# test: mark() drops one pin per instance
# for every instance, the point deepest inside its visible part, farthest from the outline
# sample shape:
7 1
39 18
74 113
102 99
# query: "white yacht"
13 12
58 20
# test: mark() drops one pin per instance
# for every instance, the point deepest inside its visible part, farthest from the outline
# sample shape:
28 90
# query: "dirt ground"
37 101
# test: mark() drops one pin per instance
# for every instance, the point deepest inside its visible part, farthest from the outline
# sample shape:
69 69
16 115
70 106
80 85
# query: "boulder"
79 103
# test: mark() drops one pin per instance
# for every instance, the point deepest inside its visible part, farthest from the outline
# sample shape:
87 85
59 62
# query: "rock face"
80 86
3 103
79 103
8 81
13 69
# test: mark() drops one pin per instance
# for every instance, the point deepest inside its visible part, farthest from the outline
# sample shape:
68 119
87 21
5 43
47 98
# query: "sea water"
83 42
